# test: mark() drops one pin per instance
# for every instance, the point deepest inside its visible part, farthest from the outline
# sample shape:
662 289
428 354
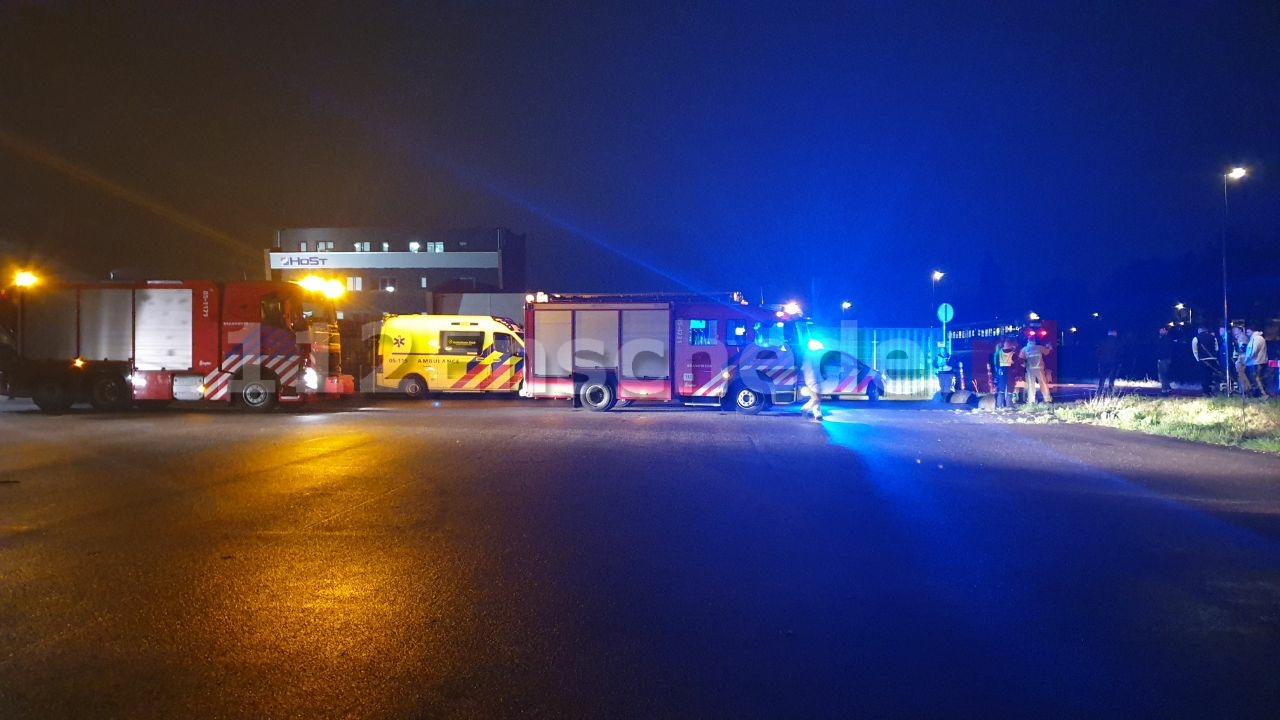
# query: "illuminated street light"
933 295
1235 173
25 279
846 305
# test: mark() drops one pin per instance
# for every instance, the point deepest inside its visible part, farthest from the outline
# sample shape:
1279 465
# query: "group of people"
1031 357
1248 360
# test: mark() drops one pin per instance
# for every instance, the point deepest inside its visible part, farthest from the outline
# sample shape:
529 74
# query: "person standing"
1164 360
811 369
1239 344
1033 356
1002 361
1204 348
1108 362
1255 359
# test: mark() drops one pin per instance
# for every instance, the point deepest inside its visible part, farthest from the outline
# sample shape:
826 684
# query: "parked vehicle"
421 354
598 350
844 376
118 344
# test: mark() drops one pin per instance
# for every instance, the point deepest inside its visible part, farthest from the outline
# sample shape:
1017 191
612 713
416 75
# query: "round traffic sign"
946 312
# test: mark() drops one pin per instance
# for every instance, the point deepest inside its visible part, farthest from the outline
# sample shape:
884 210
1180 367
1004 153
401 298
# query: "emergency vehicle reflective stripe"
714 387
490 371
504 374
778 370
781 376
218 383
272 348
468 379
849 384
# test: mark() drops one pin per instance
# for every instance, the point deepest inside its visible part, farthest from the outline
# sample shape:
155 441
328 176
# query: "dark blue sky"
1041 155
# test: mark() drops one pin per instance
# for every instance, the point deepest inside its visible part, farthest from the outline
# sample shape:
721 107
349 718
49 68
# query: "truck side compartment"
691 349
114 345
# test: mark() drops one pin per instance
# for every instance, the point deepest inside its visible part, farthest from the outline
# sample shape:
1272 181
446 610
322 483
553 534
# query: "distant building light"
415 246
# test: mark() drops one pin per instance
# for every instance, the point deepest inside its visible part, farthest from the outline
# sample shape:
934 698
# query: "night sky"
1061 157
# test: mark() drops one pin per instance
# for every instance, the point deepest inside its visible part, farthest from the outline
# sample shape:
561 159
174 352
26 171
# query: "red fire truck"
118 344
598 350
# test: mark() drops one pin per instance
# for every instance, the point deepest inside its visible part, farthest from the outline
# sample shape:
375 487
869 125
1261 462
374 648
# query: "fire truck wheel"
109 392
51 397
597 395
747 401
415 386
257 395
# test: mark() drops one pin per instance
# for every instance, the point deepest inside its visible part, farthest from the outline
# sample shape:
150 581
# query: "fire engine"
973 345
598 350
147 343
418 354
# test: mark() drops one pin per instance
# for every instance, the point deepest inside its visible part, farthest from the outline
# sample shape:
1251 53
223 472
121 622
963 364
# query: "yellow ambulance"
421 354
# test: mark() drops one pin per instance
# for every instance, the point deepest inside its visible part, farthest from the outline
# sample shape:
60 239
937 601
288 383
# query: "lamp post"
1236 173
933 295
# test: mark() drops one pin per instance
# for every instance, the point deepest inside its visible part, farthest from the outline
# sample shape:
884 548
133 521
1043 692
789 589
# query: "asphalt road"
482 558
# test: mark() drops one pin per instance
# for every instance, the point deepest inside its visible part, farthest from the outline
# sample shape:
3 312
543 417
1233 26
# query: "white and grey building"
478 271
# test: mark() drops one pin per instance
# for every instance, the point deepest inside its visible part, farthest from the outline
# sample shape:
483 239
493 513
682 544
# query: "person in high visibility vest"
1002 362
1033 355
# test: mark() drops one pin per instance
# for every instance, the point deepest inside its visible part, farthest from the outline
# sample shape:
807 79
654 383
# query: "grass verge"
1221 421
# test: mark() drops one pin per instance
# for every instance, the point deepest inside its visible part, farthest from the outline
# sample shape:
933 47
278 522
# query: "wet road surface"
487 558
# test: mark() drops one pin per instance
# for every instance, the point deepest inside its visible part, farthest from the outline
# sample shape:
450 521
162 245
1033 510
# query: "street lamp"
1236 173
933 295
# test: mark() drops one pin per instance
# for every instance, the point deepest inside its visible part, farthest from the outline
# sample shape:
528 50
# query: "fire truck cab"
598 350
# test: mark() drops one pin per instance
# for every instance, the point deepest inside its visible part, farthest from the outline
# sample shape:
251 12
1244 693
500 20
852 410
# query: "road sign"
946 312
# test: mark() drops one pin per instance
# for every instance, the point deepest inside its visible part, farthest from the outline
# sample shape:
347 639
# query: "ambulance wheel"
748 401
51 397
109 392
256 395
414 386
597 395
